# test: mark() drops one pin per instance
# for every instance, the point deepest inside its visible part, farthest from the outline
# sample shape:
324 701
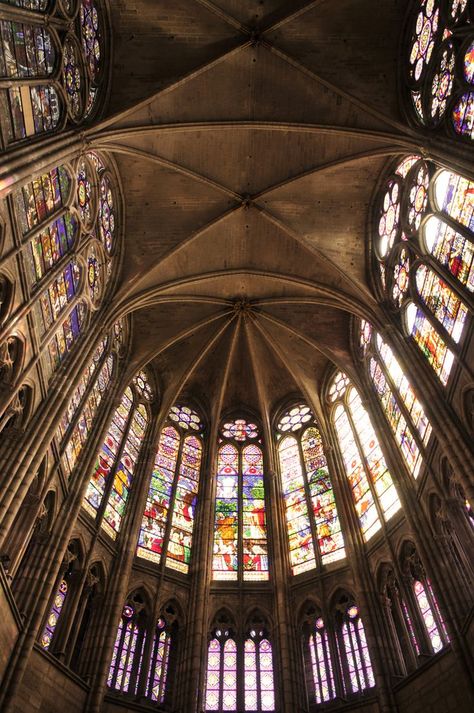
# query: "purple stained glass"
54 614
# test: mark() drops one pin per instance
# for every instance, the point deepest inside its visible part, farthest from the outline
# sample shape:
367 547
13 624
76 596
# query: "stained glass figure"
168 520
354 652
374 493
240 539
109 486
307 489
436 218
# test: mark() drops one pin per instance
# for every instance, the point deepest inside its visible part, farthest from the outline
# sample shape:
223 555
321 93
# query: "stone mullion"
366 590
22 530
48 567
193 671
118 586
392 641
289 669
42 428
441 416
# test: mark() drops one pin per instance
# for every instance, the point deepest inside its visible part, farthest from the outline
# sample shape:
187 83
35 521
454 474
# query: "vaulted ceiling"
249 138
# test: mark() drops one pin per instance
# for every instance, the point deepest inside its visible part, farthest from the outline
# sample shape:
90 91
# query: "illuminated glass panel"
81 431
54 614
254 531
186 418
451 249
182 523
423 38
41 198
363 498
321 666
37 5
29 110
127 654
158 670
108 454
300 538
454 196
61 343
410 628
328 528
463 115
142 385
26 51
224 563
258 680
115 508
295 418
429 341
356 652
229 676
240 430
374 459
213 678
442 301
61 291
155 517
427 616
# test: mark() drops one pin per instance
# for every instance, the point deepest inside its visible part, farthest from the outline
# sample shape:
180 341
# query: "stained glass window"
112 477
168 520
240 533
159 662
307 489
425 251
404 412
54 615
373 491
321 664
354 652
128 651
226 683
437 46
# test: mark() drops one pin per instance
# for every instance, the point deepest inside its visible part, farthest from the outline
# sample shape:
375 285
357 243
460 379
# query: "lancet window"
424 245
144 651
439 66
354 656
239 668
50 74
168 521
313 526
77 421
109 487
371 483
240 532
404 411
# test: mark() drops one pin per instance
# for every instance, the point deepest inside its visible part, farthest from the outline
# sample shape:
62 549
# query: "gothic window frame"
357 675
77 81
129 645
437 37
320 657
240 438
168 502
407 263
288 425
338 396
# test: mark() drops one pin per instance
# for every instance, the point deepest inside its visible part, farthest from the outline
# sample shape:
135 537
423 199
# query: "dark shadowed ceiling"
249 137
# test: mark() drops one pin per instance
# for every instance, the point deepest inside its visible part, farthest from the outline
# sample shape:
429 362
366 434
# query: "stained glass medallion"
295 418
240 430
185 417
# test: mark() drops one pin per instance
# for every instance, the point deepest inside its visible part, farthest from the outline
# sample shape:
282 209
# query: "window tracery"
168 520
373 491
439 72
240 533
425 251
109 487
307 488
50 73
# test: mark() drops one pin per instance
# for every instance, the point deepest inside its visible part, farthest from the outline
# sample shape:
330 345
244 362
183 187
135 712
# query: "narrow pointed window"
425 250
319 661
354 654
126 664
240 533
403 410
374 493
108 490
311 514
258 672
168 520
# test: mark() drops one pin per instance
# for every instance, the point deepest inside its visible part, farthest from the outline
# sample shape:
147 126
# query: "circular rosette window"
424 35
388 219
416 196
106 214
86 193
400 276
95 273
74 78
89 20
455 12
440 83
